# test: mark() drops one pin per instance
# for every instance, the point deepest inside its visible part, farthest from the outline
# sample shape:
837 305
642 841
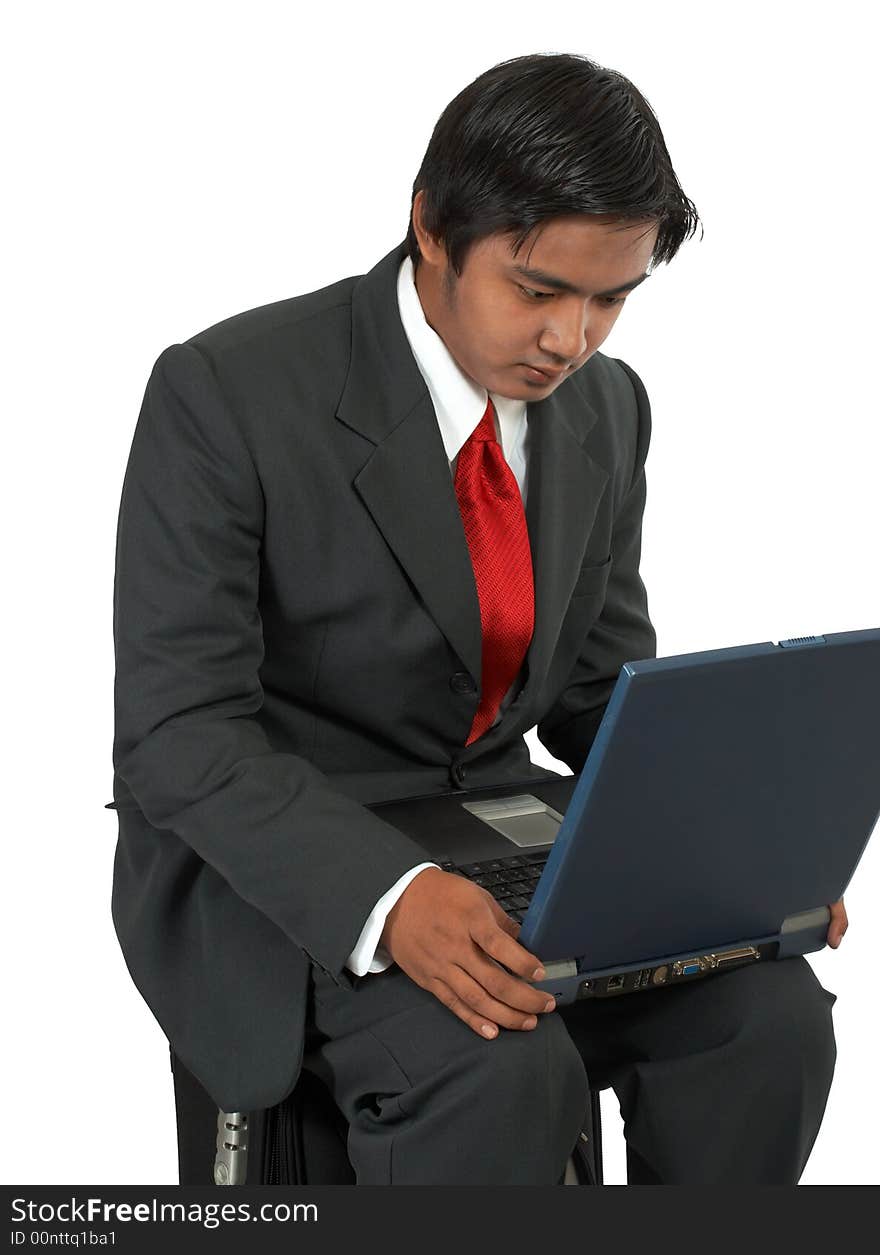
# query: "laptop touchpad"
525 820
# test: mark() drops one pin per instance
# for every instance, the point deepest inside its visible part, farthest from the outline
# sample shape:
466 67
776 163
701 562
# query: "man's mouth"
544 373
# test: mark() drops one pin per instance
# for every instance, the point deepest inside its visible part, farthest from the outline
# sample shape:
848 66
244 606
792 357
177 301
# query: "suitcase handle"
230 1161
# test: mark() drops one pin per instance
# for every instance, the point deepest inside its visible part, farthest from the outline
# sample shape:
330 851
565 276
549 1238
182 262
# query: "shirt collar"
459 402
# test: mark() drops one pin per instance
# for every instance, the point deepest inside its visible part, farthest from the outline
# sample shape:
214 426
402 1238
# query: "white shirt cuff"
368 956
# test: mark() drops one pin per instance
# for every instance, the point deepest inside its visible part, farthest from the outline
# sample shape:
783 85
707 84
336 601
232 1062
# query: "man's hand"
839 923
450 937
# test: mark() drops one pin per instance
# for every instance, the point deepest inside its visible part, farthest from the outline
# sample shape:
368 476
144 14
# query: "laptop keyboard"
511 881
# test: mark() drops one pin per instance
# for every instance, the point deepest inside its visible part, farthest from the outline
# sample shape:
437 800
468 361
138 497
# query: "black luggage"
302 1141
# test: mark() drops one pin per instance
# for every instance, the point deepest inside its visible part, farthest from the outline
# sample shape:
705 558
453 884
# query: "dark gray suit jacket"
297 632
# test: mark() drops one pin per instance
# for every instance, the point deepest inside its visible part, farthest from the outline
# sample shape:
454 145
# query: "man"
368 538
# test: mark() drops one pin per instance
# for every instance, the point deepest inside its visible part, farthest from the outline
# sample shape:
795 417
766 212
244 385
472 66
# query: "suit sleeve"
623 632
188 643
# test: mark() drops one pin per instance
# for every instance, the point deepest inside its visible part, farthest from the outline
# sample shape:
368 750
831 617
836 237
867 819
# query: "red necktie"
495 529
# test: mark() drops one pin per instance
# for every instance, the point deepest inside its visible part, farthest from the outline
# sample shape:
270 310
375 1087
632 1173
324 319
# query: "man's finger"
510 926
499 945
481 1025
530 966
839 924
461 1005
490 1010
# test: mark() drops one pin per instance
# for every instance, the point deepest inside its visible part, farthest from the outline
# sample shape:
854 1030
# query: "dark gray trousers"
721 1080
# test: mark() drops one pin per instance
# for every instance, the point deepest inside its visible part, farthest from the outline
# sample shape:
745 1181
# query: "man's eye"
533 293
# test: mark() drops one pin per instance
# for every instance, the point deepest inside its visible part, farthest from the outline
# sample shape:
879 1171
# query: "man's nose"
567 334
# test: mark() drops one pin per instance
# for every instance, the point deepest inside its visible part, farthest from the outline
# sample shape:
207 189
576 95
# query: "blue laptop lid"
724 791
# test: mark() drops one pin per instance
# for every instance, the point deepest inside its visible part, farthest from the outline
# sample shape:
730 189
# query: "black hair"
545 136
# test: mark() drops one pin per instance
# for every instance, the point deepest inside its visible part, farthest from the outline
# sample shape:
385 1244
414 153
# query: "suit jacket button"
461 682
458 772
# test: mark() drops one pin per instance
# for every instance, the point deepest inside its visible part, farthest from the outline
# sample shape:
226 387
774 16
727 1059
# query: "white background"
173 164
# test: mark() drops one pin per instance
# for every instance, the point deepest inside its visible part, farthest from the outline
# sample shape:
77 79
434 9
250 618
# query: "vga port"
688 967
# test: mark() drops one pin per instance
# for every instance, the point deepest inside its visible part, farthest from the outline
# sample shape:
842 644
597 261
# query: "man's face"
506 319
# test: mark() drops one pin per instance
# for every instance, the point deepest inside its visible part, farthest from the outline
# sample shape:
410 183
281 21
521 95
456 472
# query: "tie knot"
485 429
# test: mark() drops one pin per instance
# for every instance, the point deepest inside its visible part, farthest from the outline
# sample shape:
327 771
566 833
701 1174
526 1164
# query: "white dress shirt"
459 403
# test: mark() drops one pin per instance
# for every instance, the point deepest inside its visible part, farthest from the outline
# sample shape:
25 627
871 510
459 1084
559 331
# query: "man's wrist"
365 957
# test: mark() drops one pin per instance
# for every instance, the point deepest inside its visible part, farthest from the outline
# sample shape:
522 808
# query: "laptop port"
689 967
614 982
731 956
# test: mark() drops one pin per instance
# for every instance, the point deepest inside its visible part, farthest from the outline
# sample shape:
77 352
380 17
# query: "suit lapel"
565 487
406 484
407 488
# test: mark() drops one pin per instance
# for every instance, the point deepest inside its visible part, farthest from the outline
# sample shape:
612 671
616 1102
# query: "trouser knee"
533 1086
745 1103
790 1027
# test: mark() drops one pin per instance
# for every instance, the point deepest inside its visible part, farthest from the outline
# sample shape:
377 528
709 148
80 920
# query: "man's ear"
431 247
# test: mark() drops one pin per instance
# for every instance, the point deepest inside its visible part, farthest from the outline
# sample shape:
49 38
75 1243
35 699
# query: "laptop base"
570 981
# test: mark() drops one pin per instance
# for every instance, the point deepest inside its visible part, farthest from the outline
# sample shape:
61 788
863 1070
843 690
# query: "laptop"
725 802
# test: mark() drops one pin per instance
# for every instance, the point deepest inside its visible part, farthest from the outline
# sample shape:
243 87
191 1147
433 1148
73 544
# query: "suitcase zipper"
272 1177
280 1128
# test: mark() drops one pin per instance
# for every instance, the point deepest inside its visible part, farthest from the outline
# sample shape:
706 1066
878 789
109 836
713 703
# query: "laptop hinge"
561 967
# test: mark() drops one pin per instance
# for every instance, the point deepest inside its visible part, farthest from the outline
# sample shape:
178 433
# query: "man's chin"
529 391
